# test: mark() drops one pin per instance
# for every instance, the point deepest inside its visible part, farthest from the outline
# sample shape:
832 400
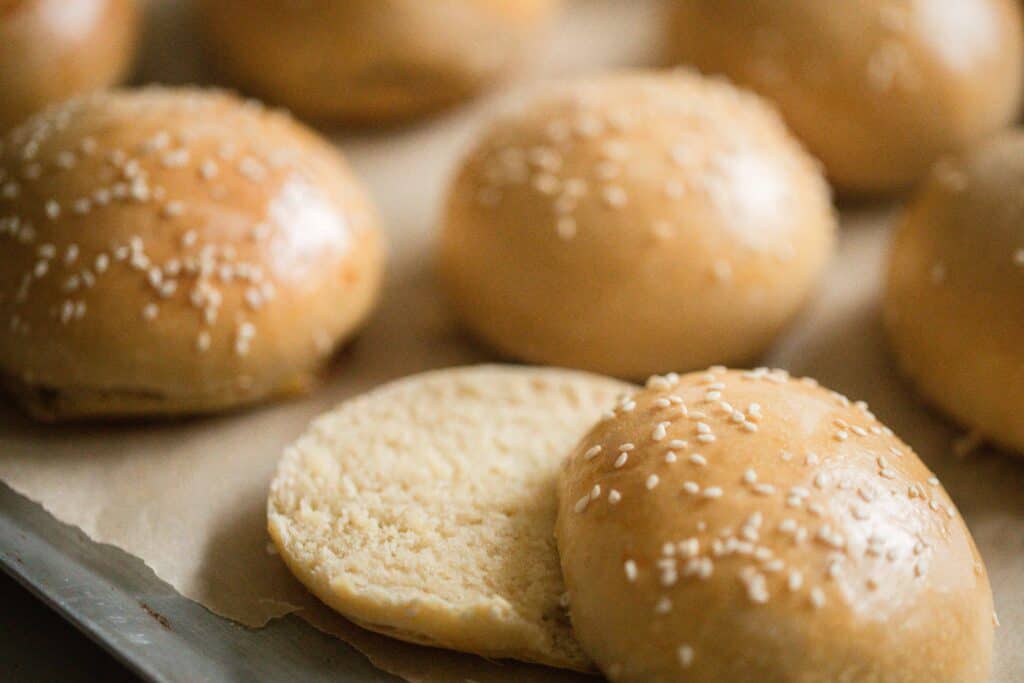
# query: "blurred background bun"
635 222
175 251
53 49
877 89
955 299
369 61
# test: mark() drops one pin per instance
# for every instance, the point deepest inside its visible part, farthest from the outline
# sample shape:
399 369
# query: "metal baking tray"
117 601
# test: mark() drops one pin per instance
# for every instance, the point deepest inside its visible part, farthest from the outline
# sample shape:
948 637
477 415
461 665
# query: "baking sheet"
188 497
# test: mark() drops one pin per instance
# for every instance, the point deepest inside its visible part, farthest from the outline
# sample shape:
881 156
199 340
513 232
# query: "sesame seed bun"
877 89
51 50
370 61
955 287
633 223
425 509
745 526
175 251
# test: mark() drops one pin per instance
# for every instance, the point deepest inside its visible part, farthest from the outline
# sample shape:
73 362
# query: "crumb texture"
426 509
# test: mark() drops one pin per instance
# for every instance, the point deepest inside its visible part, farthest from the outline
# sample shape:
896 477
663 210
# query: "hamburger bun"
635 223
745 526
175 251
876 89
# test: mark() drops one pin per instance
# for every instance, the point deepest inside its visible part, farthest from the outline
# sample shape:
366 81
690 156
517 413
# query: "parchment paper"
189 497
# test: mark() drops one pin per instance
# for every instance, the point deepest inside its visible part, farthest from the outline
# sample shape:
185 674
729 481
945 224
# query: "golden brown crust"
633 223
369 61
53 49
955 280
174 251
791 537
877 89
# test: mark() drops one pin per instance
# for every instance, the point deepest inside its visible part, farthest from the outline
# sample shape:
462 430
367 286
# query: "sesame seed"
713 492
614 496
173 209
630 569
691 487
595 492
835 569
582 503
621 460
660 431
615 196
698 459
663 606
658 382
795 581
652 482
592 452
817 597
685 655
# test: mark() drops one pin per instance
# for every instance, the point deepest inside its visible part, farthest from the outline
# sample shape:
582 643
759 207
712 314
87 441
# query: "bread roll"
633 223
175 251
370 61
955 283
53 49
745 526
877 89
425 509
